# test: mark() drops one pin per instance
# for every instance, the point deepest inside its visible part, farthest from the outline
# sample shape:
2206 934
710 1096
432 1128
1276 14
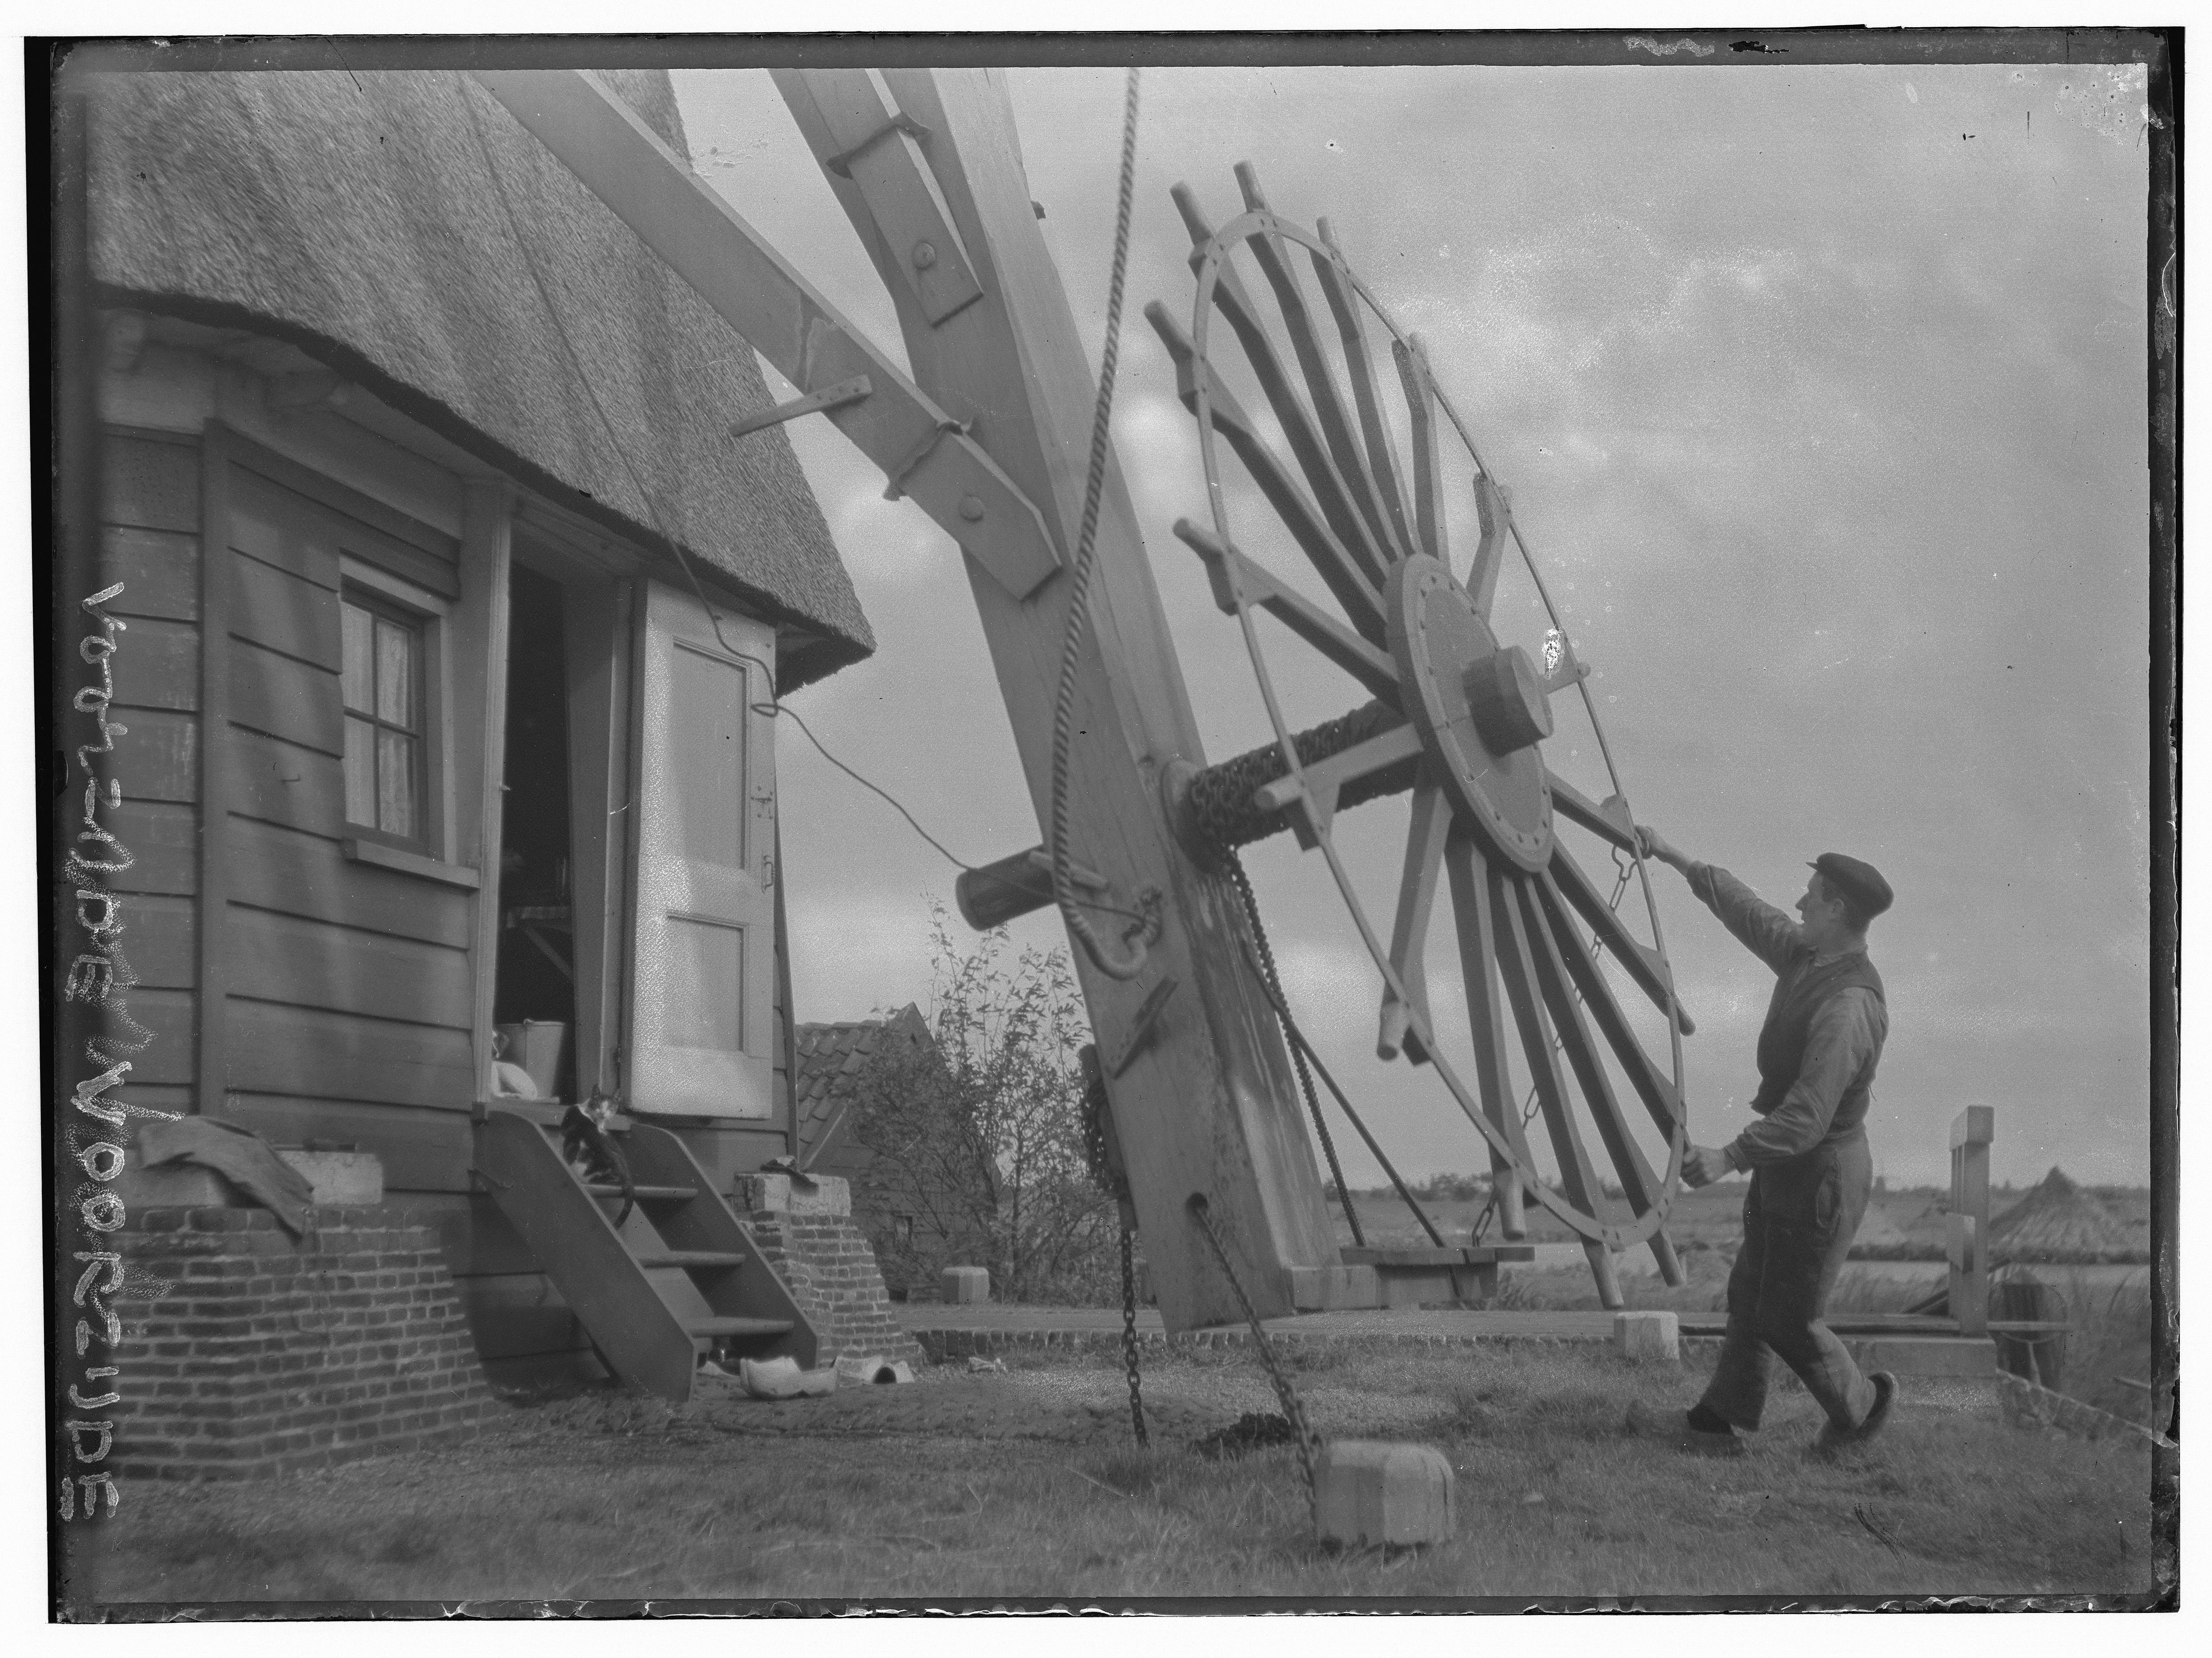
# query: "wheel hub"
1481 710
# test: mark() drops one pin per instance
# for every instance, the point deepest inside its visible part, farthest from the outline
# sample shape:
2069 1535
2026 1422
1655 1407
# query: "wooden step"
690 1258
644 1193
738 1327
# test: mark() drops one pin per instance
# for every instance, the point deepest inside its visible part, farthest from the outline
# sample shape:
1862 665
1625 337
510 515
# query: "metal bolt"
970 509
925 256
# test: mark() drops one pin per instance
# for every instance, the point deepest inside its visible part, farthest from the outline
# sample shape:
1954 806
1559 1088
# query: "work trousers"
1798 1221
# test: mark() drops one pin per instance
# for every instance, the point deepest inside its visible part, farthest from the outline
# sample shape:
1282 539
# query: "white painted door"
703 978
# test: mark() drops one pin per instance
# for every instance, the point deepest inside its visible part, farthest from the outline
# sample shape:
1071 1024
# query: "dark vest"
1798 994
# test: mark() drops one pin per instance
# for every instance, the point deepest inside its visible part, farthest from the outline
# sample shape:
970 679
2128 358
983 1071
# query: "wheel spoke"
1376 669
1637 1180
1313 455
1382 450
1606 822
1478 947
1642 963
1321 383
1304 520
1409 933
1651 1085
1428 476
1490 511
1576 1176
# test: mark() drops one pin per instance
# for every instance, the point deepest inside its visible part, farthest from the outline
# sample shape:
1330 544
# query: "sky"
1820 395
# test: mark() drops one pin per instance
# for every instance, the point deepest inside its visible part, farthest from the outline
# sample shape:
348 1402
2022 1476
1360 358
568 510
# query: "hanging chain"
1129 1340
1298 1050
1622 873
1307 1442
1110 1180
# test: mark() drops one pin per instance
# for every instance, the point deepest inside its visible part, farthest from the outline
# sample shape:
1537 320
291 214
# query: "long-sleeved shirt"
1841 1049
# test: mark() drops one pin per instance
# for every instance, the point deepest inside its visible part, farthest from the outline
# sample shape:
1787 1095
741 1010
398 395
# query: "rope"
1063 713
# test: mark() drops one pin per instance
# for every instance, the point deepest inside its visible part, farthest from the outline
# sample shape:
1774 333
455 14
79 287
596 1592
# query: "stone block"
964 1285
1367 1492
1333 1289
1649 1338
827 1195
343 1178
172 1185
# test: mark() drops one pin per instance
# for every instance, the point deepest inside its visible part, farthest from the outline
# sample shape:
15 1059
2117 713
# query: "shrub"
979 1137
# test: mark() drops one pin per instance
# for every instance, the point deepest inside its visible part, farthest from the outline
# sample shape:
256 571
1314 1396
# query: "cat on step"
587 1146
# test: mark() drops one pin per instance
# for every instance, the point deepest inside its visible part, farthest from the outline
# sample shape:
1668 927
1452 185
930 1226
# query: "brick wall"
832 1274
267 1354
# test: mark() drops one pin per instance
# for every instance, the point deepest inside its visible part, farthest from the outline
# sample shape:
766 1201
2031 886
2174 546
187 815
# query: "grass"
1554 1500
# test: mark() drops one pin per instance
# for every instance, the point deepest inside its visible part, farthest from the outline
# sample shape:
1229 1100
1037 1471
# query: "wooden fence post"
1968 1243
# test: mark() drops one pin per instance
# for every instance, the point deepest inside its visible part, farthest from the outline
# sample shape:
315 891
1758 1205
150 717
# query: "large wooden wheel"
1362 474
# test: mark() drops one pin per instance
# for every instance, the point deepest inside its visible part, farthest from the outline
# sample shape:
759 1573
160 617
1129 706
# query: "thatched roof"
389 223
2057 1217
831 1057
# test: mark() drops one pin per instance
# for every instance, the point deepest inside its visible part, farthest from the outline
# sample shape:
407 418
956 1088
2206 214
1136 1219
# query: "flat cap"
1859 881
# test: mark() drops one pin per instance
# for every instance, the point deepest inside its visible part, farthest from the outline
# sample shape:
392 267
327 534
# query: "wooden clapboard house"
429 732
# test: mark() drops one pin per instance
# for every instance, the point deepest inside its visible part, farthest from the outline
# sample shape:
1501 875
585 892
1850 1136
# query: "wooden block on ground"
965 1286
1367 1492
1648 1337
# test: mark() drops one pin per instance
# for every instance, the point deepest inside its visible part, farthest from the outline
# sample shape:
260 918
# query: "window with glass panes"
383 687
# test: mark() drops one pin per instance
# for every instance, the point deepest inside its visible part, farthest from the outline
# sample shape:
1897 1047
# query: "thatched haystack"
2058 1221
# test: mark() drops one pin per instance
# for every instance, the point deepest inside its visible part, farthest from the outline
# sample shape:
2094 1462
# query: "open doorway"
534 995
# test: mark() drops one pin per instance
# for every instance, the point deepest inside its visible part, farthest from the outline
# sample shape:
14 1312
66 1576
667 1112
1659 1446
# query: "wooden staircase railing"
682 1277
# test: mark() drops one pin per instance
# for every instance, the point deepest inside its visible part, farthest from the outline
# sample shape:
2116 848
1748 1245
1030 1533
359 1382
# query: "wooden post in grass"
1968 1248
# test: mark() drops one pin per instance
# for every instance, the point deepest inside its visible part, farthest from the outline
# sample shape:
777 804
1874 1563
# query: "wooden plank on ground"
310 963
307 1053
159 570
276 868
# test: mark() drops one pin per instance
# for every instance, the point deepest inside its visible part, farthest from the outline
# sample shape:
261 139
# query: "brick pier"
266 1354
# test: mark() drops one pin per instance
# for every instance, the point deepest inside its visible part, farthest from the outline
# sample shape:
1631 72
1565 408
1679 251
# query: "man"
1810 1171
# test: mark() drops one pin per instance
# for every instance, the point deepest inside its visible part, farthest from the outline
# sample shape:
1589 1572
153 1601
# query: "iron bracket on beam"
841 163
829 397
921 452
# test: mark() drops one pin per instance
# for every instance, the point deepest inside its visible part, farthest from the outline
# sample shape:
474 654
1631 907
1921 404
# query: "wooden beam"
1208 1104
925 451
